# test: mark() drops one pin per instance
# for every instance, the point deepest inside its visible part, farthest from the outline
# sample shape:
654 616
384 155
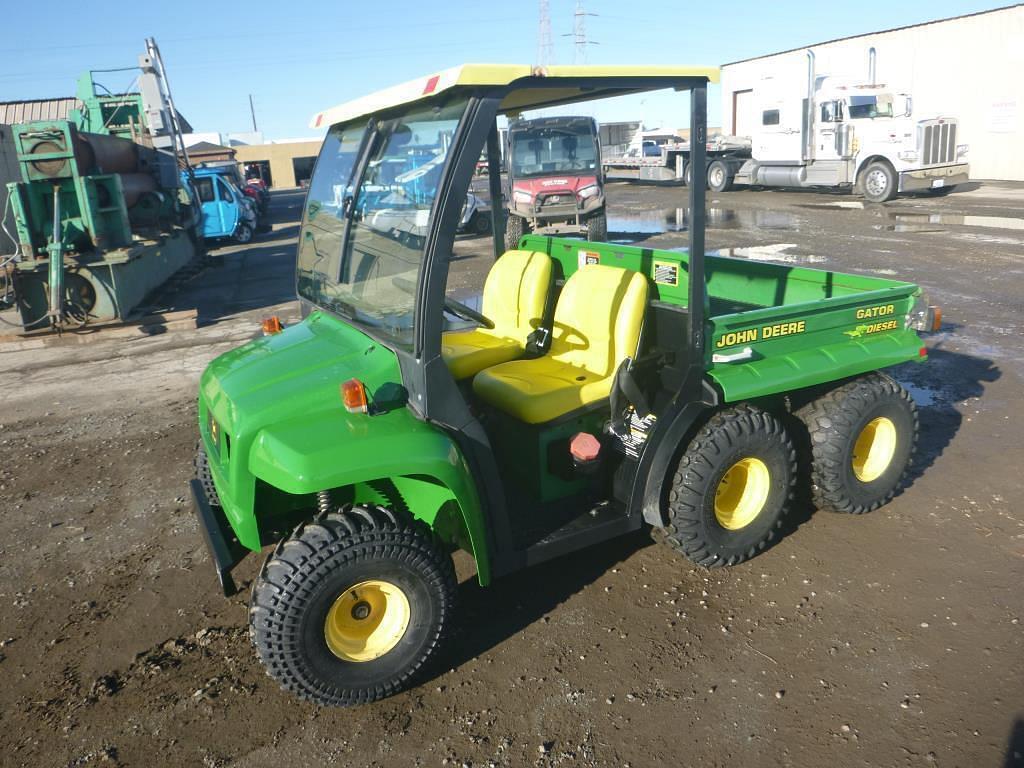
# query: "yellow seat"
515 294
597 325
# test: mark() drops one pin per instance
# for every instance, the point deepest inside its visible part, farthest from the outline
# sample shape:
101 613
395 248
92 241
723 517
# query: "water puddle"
838 205
923 396
677 220
774 253
937 222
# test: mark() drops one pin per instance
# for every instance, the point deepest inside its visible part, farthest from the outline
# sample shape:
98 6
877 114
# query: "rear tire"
731 488
719 176
597 228
481 224
862 436
352 607
878 182
515 228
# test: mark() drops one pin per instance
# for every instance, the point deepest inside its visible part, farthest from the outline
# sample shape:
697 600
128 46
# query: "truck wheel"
688 175
352 607
243 234
731 488
481 224
515 228
878 182
202 469
862 436
719 177
597 228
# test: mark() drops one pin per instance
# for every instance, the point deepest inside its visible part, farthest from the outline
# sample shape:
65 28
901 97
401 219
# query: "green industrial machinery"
100 217
594 389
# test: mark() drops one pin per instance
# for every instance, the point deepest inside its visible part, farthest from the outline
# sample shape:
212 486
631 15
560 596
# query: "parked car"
227 213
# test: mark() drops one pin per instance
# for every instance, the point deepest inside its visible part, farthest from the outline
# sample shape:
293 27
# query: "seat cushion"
597 326
515 293
468 352
535 391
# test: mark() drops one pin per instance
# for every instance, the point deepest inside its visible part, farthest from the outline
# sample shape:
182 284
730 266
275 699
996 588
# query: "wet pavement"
889 639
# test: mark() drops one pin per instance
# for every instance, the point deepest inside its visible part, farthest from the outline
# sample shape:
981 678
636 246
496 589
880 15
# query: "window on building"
770 117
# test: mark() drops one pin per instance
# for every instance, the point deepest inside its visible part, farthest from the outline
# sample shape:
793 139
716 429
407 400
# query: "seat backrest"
598 318
515 293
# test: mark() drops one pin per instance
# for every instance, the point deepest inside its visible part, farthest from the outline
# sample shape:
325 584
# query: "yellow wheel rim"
874 449
367 621
742 493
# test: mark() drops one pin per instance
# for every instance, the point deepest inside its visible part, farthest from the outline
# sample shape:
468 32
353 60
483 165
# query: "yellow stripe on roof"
499 75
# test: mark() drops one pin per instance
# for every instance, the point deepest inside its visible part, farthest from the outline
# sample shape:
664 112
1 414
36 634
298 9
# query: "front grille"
938 143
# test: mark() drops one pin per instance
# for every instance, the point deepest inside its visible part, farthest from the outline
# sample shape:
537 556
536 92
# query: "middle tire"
731 488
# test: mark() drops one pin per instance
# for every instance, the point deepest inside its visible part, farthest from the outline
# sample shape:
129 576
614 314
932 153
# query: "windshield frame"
517 129
370 141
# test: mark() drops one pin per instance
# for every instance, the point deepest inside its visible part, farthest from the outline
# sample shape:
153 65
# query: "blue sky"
298 58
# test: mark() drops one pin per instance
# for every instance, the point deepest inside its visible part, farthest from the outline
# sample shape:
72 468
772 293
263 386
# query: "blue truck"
227 213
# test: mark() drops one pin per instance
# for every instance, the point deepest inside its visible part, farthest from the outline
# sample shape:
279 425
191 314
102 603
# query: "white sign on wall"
1002 116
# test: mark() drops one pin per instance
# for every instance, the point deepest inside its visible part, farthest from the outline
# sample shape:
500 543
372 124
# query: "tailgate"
780 349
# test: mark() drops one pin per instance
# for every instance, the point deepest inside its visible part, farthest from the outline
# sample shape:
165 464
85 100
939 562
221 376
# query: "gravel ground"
892 639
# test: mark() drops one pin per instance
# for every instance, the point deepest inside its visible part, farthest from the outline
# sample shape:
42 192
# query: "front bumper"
933 178
225 551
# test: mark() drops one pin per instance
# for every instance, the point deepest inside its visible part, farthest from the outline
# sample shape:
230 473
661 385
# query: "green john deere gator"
593 389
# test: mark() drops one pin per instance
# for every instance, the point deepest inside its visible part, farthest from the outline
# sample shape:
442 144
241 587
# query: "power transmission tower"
579 33
545 48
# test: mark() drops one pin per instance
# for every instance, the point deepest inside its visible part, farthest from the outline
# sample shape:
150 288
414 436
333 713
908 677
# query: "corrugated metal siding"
14 112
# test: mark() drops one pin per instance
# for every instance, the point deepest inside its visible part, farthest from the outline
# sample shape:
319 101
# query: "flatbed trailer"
672 165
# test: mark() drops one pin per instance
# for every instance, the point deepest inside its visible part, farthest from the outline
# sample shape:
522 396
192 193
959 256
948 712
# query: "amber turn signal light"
272 325
353 394
936 318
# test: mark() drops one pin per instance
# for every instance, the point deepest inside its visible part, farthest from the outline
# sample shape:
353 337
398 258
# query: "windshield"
553 148
362 239
870 106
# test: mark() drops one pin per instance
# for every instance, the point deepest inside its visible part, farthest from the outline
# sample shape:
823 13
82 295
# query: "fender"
675 426
307 455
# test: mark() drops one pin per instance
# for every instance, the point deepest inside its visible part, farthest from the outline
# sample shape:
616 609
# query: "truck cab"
226 211
847 132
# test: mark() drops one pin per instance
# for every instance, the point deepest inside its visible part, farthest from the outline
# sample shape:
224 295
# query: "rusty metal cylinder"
135 186
112 154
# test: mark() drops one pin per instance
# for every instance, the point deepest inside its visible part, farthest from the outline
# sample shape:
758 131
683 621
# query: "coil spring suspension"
323 502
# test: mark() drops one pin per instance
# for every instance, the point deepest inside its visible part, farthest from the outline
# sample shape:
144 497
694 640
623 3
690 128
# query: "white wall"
969 68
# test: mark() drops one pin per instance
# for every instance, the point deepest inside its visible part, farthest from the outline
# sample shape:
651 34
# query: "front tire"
243 234
597 228
352 607
515 228
862 436
879 183
731 488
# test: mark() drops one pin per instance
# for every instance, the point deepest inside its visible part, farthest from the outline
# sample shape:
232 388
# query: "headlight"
522 197
961 150
589 191
910 155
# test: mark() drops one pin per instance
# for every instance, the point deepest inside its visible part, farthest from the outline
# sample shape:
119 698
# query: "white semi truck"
832 132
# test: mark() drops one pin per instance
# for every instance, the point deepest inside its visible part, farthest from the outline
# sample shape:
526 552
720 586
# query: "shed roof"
610 81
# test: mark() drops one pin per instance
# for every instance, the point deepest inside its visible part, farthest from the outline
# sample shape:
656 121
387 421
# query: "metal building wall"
969 67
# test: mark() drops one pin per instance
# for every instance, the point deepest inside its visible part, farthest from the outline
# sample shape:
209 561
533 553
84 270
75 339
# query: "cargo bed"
770 327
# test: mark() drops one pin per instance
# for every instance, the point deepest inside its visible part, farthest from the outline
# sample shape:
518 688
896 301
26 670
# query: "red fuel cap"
584 446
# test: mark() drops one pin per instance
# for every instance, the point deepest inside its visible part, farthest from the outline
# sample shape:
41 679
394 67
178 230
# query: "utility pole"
252 111
545 48
579 33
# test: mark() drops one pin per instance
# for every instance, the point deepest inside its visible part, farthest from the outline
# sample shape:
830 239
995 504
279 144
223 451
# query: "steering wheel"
459 309
456 308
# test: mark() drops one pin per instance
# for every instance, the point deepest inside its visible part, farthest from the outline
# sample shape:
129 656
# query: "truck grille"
938 142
